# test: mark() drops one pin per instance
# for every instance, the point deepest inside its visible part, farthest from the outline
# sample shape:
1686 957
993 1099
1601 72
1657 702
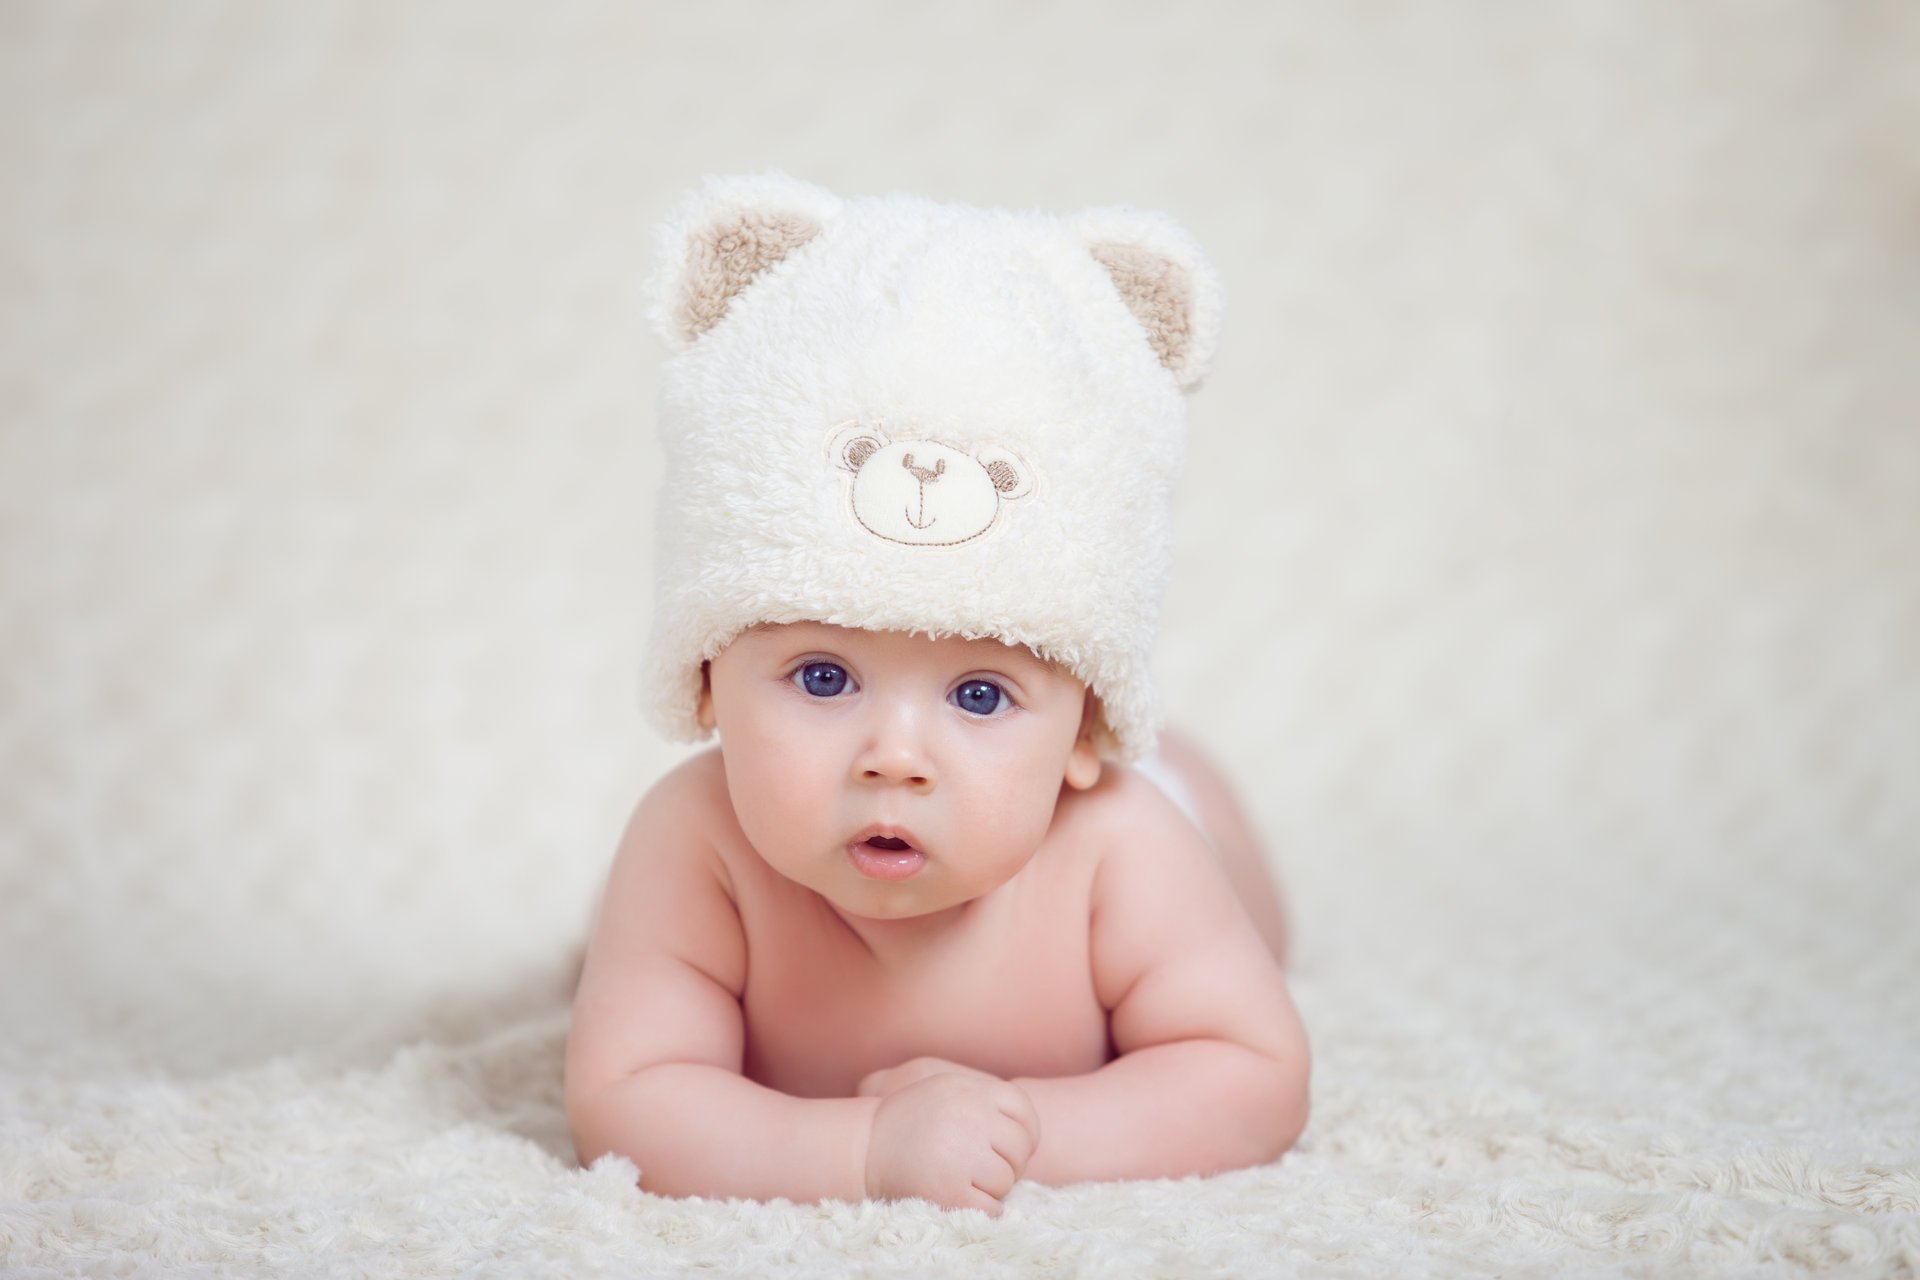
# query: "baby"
914 928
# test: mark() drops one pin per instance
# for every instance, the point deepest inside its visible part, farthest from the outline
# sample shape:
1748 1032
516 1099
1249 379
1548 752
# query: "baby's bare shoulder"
1159 891
692 789
669 883
666 962
1126 811
1124 835
684 815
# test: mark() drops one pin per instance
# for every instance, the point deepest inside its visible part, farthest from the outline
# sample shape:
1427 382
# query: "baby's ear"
703 707
1166 282
721 238
1083 762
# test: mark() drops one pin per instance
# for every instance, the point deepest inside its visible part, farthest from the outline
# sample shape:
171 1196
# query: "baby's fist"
878 1084
961 1141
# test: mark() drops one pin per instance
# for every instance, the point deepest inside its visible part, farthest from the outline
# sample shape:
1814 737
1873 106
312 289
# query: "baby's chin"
898 909
902 904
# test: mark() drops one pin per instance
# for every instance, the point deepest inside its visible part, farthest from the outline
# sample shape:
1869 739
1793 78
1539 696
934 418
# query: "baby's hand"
878 1084
959 1140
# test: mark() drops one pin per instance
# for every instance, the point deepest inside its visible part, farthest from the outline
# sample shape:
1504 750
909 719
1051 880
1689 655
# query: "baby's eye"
979 697
822 679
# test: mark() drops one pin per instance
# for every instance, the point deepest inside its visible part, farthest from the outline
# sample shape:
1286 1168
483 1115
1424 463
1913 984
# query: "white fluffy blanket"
1549 579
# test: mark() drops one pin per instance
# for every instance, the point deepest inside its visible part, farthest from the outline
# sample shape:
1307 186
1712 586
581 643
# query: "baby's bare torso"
1118 936
1004 983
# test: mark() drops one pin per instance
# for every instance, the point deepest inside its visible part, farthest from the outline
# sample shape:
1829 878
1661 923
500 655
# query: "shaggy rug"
1549 582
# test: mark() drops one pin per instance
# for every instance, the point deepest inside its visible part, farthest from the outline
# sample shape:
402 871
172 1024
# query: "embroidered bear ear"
1164 280
852 444
1011 477
722 238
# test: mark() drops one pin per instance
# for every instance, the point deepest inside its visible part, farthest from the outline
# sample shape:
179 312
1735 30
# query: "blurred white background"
1550 539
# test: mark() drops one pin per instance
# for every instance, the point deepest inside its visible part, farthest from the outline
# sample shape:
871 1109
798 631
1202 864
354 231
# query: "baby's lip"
888 836
886 853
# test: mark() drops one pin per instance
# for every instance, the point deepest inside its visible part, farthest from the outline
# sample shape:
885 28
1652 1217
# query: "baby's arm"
655 1052
1212 1072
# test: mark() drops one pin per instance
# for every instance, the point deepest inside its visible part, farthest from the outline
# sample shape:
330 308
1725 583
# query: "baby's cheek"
776 808
1016 824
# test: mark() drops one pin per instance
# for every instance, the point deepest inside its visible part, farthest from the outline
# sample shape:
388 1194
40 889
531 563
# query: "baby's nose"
896 754
905 767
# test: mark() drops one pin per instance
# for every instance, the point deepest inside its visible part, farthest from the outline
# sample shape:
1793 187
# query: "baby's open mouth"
881 857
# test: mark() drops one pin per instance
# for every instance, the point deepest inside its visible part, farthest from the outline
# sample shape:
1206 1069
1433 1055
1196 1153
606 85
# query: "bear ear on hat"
721 238
1164 280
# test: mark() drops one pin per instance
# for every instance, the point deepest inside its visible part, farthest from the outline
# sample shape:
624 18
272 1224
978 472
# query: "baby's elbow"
1260 1115
587 1128
1291 1119
598 1119
1286 1106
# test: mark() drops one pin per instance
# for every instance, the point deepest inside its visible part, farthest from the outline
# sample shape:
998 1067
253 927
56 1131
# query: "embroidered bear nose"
921 473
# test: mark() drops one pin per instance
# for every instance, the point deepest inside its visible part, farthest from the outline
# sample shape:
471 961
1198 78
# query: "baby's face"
894 774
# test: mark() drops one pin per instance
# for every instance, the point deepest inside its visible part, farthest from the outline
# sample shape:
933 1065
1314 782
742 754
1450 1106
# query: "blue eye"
979 697
822 679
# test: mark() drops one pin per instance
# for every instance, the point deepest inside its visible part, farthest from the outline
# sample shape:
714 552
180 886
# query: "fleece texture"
1547 577
900 415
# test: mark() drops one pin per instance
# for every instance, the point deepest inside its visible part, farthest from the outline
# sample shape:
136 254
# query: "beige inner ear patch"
723 260
1159 295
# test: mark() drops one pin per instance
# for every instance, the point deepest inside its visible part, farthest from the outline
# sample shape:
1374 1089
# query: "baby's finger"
975 1198
1014 1102
874 1083
1012 1143
996 1176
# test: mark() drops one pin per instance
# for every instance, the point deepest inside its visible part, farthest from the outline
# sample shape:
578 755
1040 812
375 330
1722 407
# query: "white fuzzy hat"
907 416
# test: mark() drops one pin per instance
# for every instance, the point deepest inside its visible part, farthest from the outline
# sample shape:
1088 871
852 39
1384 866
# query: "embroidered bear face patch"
923 493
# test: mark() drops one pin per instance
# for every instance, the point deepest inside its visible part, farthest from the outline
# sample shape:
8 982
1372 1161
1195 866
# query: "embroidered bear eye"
822 679
979 697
